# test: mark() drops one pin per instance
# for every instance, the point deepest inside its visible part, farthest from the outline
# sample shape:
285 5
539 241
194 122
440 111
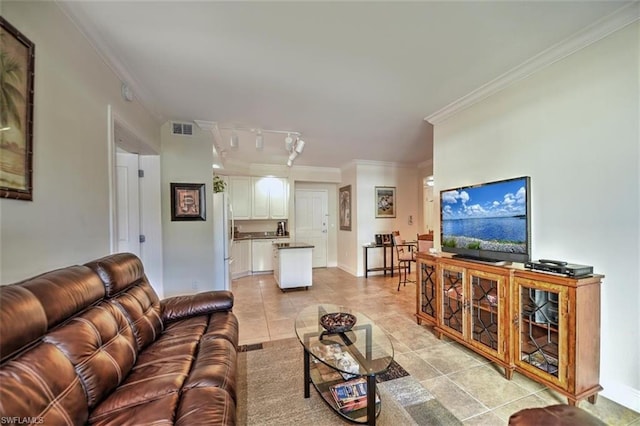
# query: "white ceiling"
356 79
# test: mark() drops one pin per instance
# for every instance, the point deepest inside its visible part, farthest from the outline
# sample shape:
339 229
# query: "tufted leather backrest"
36 378
42 383
123 277
118 271
43 302
100 345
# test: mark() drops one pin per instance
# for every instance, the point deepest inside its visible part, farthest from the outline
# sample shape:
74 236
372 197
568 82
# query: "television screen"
487 222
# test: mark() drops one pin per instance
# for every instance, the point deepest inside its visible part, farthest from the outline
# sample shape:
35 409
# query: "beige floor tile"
486 419
416 366
477 381
470 386
530 401
446 358
461 404
610 412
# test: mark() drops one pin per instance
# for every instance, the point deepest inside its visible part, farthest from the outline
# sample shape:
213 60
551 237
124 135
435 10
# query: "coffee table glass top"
363 350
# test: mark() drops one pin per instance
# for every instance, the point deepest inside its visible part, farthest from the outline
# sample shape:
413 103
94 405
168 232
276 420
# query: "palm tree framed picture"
17 58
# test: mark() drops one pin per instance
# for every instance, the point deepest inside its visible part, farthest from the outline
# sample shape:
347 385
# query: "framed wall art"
345 208
385 201
187 201
17 60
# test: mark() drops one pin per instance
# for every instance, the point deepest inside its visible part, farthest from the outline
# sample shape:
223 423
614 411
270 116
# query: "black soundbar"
560 267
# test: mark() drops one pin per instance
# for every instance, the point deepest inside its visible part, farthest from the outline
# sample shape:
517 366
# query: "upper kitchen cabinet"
240 195
269 198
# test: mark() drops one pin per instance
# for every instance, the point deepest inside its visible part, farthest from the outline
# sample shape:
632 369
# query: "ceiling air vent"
185 129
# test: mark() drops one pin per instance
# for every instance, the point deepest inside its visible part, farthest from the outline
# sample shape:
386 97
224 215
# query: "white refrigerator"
222 240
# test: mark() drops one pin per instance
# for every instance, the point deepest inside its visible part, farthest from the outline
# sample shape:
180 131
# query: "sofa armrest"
178 307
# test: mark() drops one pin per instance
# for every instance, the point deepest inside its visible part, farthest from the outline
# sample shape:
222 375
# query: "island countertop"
296 245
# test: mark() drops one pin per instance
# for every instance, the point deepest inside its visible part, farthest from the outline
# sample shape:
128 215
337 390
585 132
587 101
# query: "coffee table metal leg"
371 399
307 376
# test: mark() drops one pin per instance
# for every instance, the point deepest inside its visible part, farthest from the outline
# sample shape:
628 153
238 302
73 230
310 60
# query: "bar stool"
405 257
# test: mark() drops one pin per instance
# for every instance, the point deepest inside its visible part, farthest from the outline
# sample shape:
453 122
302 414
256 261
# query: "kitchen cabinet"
262 253
240 193
292 265
269 198
241 255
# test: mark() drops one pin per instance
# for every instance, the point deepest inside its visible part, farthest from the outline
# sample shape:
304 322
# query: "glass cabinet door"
539 329
453 299
428 288
484 313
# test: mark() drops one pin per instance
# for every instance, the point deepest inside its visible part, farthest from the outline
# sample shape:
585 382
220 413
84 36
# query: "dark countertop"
281 246
258 236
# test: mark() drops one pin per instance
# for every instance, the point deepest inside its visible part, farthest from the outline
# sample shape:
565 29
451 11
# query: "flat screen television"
487 222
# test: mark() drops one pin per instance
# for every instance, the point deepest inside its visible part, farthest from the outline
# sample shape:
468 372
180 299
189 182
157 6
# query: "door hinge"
142 238
140 173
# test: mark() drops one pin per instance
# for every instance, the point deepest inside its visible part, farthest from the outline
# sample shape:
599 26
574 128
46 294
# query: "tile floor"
473 389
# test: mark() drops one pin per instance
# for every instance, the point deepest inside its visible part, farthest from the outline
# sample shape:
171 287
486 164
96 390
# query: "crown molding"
108 56
597 31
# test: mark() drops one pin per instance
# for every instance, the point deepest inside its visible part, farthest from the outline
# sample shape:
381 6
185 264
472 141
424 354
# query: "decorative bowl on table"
337 322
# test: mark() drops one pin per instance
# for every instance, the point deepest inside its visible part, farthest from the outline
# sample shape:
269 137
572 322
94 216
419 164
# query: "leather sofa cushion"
554 415
179 307
215 365
161 368
100 345
223 324
141 306
206 406
65 292
46 300
41 382
154 412
18 302
118 271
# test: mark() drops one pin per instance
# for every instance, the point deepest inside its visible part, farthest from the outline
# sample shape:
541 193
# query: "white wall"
364 176
188 245
68 220
574 128
348 240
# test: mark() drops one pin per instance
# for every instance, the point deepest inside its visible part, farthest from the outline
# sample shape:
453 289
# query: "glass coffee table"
354 357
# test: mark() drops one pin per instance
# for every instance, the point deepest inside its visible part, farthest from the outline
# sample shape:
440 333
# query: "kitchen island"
292 265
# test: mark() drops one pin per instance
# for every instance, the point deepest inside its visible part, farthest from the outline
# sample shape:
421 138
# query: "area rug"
270 392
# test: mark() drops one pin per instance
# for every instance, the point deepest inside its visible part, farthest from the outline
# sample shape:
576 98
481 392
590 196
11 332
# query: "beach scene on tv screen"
489 217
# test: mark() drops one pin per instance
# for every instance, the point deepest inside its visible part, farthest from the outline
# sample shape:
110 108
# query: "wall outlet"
194 285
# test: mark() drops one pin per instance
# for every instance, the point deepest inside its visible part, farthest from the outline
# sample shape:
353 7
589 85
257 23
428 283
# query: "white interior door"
311 210
127 203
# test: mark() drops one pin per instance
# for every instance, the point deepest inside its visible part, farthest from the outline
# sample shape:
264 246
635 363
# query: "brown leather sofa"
93 344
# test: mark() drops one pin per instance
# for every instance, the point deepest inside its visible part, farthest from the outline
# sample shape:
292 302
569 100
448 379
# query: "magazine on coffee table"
351 395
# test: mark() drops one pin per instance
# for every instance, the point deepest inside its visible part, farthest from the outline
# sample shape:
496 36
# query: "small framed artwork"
385 201
345 208
16 113
187 201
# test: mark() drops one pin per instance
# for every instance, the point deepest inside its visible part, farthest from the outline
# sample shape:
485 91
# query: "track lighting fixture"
233 142
288 142
259 140
292 142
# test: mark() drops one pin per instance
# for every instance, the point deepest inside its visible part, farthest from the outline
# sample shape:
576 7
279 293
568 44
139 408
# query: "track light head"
259 140
288 142
300 146
233 142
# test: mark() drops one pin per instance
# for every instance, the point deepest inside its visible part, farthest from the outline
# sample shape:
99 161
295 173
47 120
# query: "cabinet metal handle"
516 319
